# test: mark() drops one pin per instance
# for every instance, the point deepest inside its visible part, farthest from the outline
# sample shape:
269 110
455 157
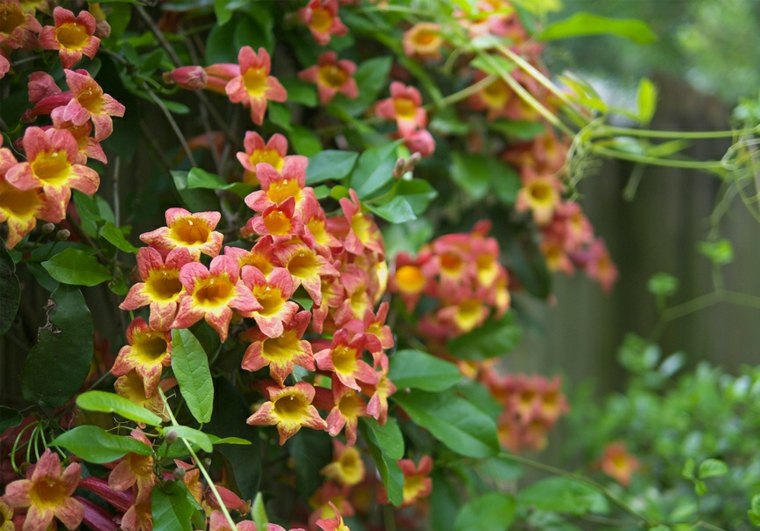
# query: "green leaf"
371 77
419 370
476 174
173 507
305 141
57 365
494 338
113 235
311 452
454 421
300 91
329 165
711 468
259 512
386 445
93 211
562 495
200 178
113 403
190 366
197 200
582 24
9 418
688 469
279 115
418 193
76 267
646 99
720 252
517 129
197 437
662 284
10 291
397 210
374 169
223 14
238 441
95 445
493 511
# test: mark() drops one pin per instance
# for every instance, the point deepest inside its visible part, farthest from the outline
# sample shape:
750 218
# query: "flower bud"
170 437
47 228
188 77
178 473
63 235
420 142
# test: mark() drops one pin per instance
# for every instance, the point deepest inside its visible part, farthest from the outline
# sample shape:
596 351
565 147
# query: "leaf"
304 141
454 421
190 366
113 235
76 267
582 24
113 403
228 440
493 511
9 418
197 437
711 468
562 495
418 193
95 445
662 284
279 115
518 129
444 501
386 445
494 338
374 169
419 370
259 512
10 291
646 100
330 164
397 210
200 178
300 92
196 200
472 173
173 507
57 365
720 252
311 451
371 77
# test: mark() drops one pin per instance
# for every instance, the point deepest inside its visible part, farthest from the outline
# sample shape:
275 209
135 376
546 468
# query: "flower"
6 517
16 27
53 165
89 102
279 221
188 77
404 106
332 76
617 463
600 266
420 141
5 65
342 356
254 87
289 409
332 524
212 293
321 17
306 267
134 469
347 467
272 293
192 230
279 185
494 98
363 232
160 287
423 40
272 152
540 195
147 352
88 146
48 494
377 407
349 406
417 482
73 36
132 387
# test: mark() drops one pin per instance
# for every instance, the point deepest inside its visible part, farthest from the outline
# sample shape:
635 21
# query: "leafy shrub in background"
335 203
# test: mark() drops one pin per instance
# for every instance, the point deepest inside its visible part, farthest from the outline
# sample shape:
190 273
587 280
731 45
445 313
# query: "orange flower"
279 221
290 409
540 195
321 17
423 40
600 266
132 387
254 87
272 293
6 517
332 524
306 267
617 463
349 406
377 407
48 493
134 469
256 151
363 232
404 106
17 27
494 98
193 231
89 102
277 186
332 76
347 467
342 356
148 351
417 482
73 36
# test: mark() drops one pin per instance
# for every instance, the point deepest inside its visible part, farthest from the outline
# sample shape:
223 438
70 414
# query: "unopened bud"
399 168
188 77
420 142
47 228
63 235
178 473
170 437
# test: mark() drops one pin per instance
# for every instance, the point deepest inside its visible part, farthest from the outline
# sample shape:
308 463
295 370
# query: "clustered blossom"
462 274
532 405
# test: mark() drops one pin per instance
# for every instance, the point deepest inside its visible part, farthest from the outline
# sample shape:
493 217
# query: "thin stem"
199 464
173 124
694 135
466 92
670 163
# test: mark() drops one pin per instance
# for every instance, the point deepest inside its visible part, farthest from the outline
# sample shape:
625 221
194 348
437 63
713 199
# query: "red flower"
73 36
423 40
254 87
404 106
289 409
147 352
272 293
272 152
193 231
321 16
332 76
343 358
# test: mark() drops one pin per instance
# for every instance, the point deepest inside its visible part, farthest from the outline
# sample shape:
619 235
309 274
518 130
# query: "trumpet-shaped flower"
134 470
160 287
417 482
332 76
347 467
5 65
306 267
212 293
600 266
280 353
254 87
540 195
260 256
73 36
349 406
334 523
321 17
278 221
132 387
53 165
272 293
89 102
289 409
404 106
618 463
48 494
279 186
423 40
329 502
17 28
466 315
342 356
272 152
192 231
494 98
148 351
377 407
410 278
363 232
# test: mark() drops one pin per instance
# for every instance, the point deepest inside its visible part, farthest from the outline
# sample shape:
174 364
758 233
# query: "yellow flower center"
189 231
163 285
149 348
270 298
424 37
487 268
18 204
317 228
91 99
270 156
72 36
214 292
257 260
541 192
350 406
321 20
332 76
344 359
469 314
496 94
413 485
277 223
349 467
405 108
279 191
48 493
291 407
281 349
52 167
451 264
410 280
303 264
131 387
361 226
359 302
255 82
11 17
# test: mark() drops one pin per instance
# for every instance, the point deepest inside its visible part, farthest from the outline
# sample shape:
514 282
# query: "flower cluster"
79 119
532 405
462 275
